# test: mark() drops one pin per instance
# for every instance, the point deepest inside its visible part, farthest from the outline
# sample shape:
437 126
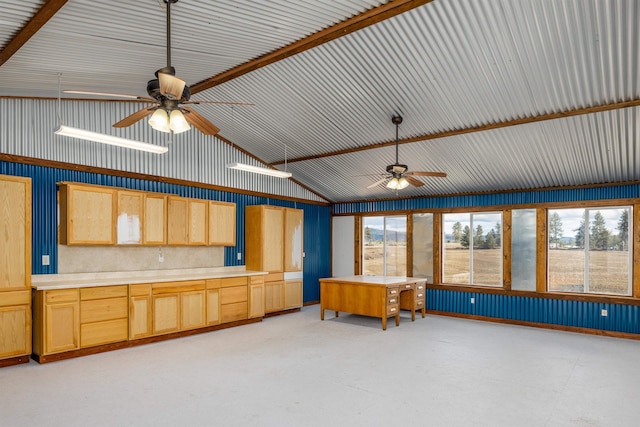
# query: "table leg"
413 314
398 319
337 313
321 313
423 312
384 323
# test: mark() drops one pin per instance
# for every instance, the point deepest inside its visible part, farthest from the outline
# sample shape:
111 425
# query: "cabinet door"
15 331
273 296
155 219
177 221
293 239
139 316
166 313
15 235
256 300
293 293
192 310
87 215
272 248
222 224
62 327
130 217
213 306
198 222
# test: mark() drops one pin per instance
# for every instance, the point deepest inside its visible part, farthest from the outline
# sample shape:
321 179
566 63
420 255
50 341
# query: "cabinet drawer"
233 295
392 299
407 286
228 282
236 311
213 283
15 298
420 287
103 309
173 287
62 295
256 279
103 332
140 290
274 277
103 292
419 304
392 292
420 296
392 309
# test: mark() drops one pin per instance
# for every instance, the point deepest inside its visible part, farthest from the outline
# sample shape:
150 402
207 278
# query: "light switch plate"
46 260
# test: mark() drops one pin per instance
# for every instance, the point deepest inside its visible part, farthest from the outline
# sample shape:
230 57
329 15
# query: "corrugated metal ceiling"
447 65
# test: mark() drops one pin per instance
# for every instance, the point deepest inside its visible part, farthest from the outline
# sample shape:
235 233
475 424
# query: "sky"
571 218
485 219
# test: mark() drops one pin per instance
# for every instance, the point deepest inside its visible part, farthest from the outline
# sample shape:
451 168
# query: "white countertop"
43 282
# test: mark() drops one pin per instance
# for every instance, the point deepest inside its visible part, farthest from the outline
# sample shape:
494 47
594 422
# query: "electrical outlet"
473 300
160 256
604 313
45 260
239 256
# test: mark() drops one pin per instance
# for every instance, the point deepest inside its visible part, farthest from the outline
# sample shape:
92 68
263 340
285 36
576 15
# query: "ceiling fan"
398 175
169 94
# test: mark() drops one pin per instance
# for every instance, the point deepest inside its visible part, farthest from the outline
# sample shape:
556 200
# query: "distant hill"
377 235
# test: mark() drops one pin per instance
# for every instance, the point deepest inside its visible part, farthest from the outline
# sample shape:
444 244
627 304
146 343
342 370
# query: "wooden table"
376 296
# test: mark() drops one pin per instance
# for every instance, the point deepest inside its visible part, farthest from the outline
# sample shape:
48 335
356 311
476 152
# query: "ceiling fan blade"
414 181
422 173
248 104
171 86
375 184
112 95
200 122
135 117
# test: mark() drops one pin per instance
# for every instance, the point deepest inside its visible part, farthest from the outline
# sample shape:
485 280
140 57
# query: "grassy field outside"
608 270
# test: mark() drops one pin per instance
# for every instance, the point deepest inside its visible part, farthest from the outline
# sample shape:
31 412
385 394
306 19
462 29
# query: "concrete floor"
295 370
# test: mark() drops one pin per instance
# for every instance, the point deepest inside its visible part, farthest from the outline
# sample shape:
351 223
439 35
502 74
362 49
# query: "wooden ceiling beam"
348 26
41 17
462 131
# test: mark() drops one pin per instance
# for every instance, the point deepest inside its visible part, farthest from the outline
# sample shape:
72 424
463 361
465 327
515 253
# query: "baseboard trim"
12 361
280 313
141 341
613 334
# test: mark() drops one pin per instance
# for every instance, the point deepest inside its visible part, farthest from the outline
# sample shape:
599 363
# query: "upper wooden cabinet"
96 215
293 226
177 220
222 224
198 221
130 217
155 219
87 215
264 228
15 233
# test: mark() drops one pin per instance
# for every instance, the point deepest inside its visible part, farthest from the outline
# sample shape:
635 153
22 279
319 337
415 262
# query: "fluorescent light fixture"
108 139
257 169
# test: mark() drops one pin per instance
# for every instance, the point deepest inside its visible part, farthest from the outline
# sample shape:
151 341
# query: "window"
384 240
589 250
472 248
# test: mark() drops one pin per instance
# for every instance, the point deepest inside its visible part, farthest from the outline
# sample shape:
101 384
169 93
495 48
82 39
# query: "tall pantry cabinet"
15 270
274 244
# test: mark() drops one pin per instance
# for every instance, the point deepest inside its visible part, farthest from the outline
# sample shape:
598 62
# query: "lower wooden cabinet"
234 299
140 314
256 297
56 321
292 293
273 296
178 306
166 313
15 324
192 309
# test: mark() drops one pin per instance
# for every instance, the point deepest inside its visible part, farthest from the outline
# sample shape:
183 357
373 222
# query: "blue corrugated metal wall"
578 314
44 225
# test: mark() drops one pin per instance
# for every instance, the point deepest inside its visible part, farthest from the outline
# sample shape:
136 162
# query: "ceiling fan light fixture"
177 122
393 183
402 183
159 120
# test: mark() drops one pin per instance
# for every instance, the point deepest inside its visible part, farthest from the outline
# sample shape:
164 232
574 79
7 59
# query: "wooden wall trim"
601 332
41 17
541 250
134 175
437 248
506 249
409 256
348 26
357 245
636 250
472 129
